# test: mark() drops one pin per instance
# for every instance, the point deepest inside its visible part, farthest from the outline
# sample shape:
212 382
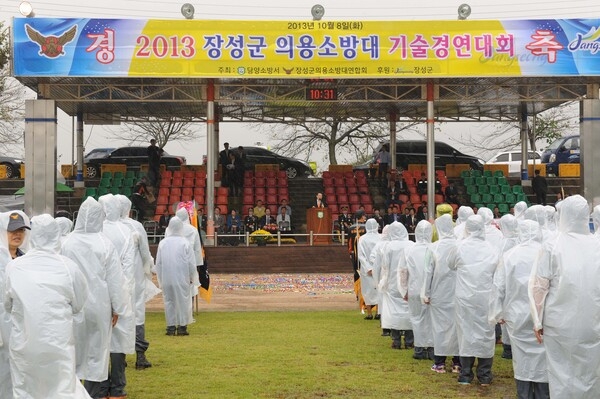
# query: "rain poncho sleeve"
365 246
539 284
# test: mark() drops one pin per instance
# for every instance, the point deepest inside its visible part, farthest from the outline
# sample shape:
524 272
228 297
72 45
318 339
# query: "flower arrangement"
260 237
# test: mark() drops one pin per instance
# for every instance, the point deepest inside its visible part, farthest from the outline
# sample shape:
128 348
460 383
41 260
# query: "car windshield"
555 145
98 153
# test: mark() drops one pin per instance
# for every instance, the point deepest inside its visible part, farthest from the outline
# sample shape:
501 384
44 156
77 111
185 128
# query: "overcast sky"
237 133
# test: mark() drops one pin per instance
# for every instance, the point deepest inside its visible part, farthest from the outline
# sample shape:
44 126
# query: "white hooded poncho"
475 264
366 243
5 323
411 282
176 271
143 262
44 291
99 261
376 259
438 288
564 295
394 312
463 214
123 335
511 304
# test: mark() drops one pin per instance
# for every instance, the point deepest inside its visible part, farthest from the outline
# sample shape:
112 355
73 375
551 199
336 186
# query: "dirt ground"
276 292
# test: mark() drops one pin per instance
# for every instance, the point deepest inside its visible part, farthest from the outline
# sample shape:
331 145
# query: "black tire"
291 172
10 171
92 171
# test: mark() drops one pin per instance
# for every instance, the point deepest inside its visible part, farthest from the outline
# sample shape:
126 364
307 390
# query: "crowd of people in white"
74 301
537 274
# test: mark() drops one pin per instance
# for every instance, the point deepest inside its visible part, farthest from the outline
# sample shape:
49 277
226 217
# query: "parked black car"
13 166
133 157
415 152
293 167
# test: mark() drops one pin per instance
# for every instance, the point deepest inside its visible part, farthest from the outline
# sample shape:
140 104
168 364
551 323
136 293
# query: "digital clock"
315 94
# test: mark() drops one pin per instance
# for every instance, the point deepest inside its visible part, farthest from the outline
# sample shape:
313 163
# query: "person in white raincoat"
463 214
475 264
65 225
520 208
44 293
492 234
509 226
368 285
376 259
510 306
550 217
539 214
123 334
177 273
5 324
191 234
394 314
564 294
143 265
411 282
108 300
438 294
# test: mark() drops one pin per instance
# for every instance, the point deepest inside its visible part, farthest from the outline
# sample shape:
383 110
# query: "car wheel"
92 171
291 172
10 170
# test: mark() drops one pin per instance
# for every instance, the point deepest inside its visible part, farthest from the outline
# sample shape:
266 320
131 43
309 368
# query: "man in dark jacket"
540 187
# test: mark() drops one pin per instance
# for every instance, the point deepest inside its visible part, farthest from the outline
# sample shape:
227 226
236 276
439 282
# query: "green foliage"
329 354
4 45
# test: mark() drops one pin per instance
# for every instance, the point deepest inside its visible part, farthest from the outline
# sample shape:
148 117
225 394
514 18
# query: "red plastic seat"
354 199
259 181
221 200
414 198
272 200
189 174
163 191
200 182
342 199
178 174
352 189
282 182
365 199
199 192
368 209
248 191
260 191
187 191
248 200
177 182
176 191
327 181
222 191
160 209
271 190
329 190
162 200
173 199
354 207
271 182
188 182
331 199
341 190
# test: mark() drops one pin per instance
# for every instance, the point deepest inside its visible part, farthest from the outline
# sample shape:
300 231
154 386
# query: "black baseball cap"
16 222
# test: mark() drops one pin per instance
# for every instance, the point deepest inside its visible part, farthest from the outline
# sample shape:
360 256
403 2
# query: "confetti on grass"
308 283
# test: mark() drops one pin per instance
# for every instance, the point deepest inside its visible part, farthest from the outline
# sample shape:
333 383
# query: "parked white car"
513 160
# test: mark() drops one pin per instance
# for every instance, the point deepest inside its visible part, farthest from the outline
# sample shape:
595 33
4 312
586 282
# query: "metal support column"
589 128
393 119
524 140
210 162
79 176
40 157
430 150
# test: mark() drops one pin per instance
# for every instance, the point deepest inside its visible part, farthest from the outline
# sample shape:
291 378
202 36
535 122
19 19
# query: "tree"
349 140
12 101
163 130
545 126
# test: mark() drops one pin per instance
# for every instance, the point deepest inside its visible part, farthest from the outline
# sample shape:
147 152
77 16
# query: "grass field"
328 354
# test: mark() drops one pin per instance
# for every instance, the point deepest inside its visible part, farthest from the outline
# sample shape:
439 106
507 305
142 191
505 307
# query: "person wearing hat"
345 220
18 224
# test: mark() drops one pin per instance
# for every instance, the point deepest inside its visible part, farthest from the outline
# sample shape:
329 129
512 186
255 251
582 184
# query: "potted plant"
260 237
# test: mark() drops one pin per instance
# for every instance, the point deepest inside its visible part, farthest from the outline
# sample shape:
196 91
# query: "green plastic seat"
505 189
487 173
128 182
91 192
465 173
494 189
483 189
475 198
476 173
118 175
502 181
115 190
471 190
469 181
510 199
107 175
105 182
126 191
480 206
498 173
517 189
130 174
117 182
480 181
487 198
498 198
490 206
491 181
522 197
503 208
102 191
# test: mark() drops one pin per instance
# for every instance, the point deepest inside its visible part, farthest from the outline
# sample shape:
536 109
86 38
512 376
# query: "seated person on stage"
163 222
201 220
284 204
259 209
422 184
451 194
234 222
251 221
378 218
284 222
220 223
345 220
268 222
422 213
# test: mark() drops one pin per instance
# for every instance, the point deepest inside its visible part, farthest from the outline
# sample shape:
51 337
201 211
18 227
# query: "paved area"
276 292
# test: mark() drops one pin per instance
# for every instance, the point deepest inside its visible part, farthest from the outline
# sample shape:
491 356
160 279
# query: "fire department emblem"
51 46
